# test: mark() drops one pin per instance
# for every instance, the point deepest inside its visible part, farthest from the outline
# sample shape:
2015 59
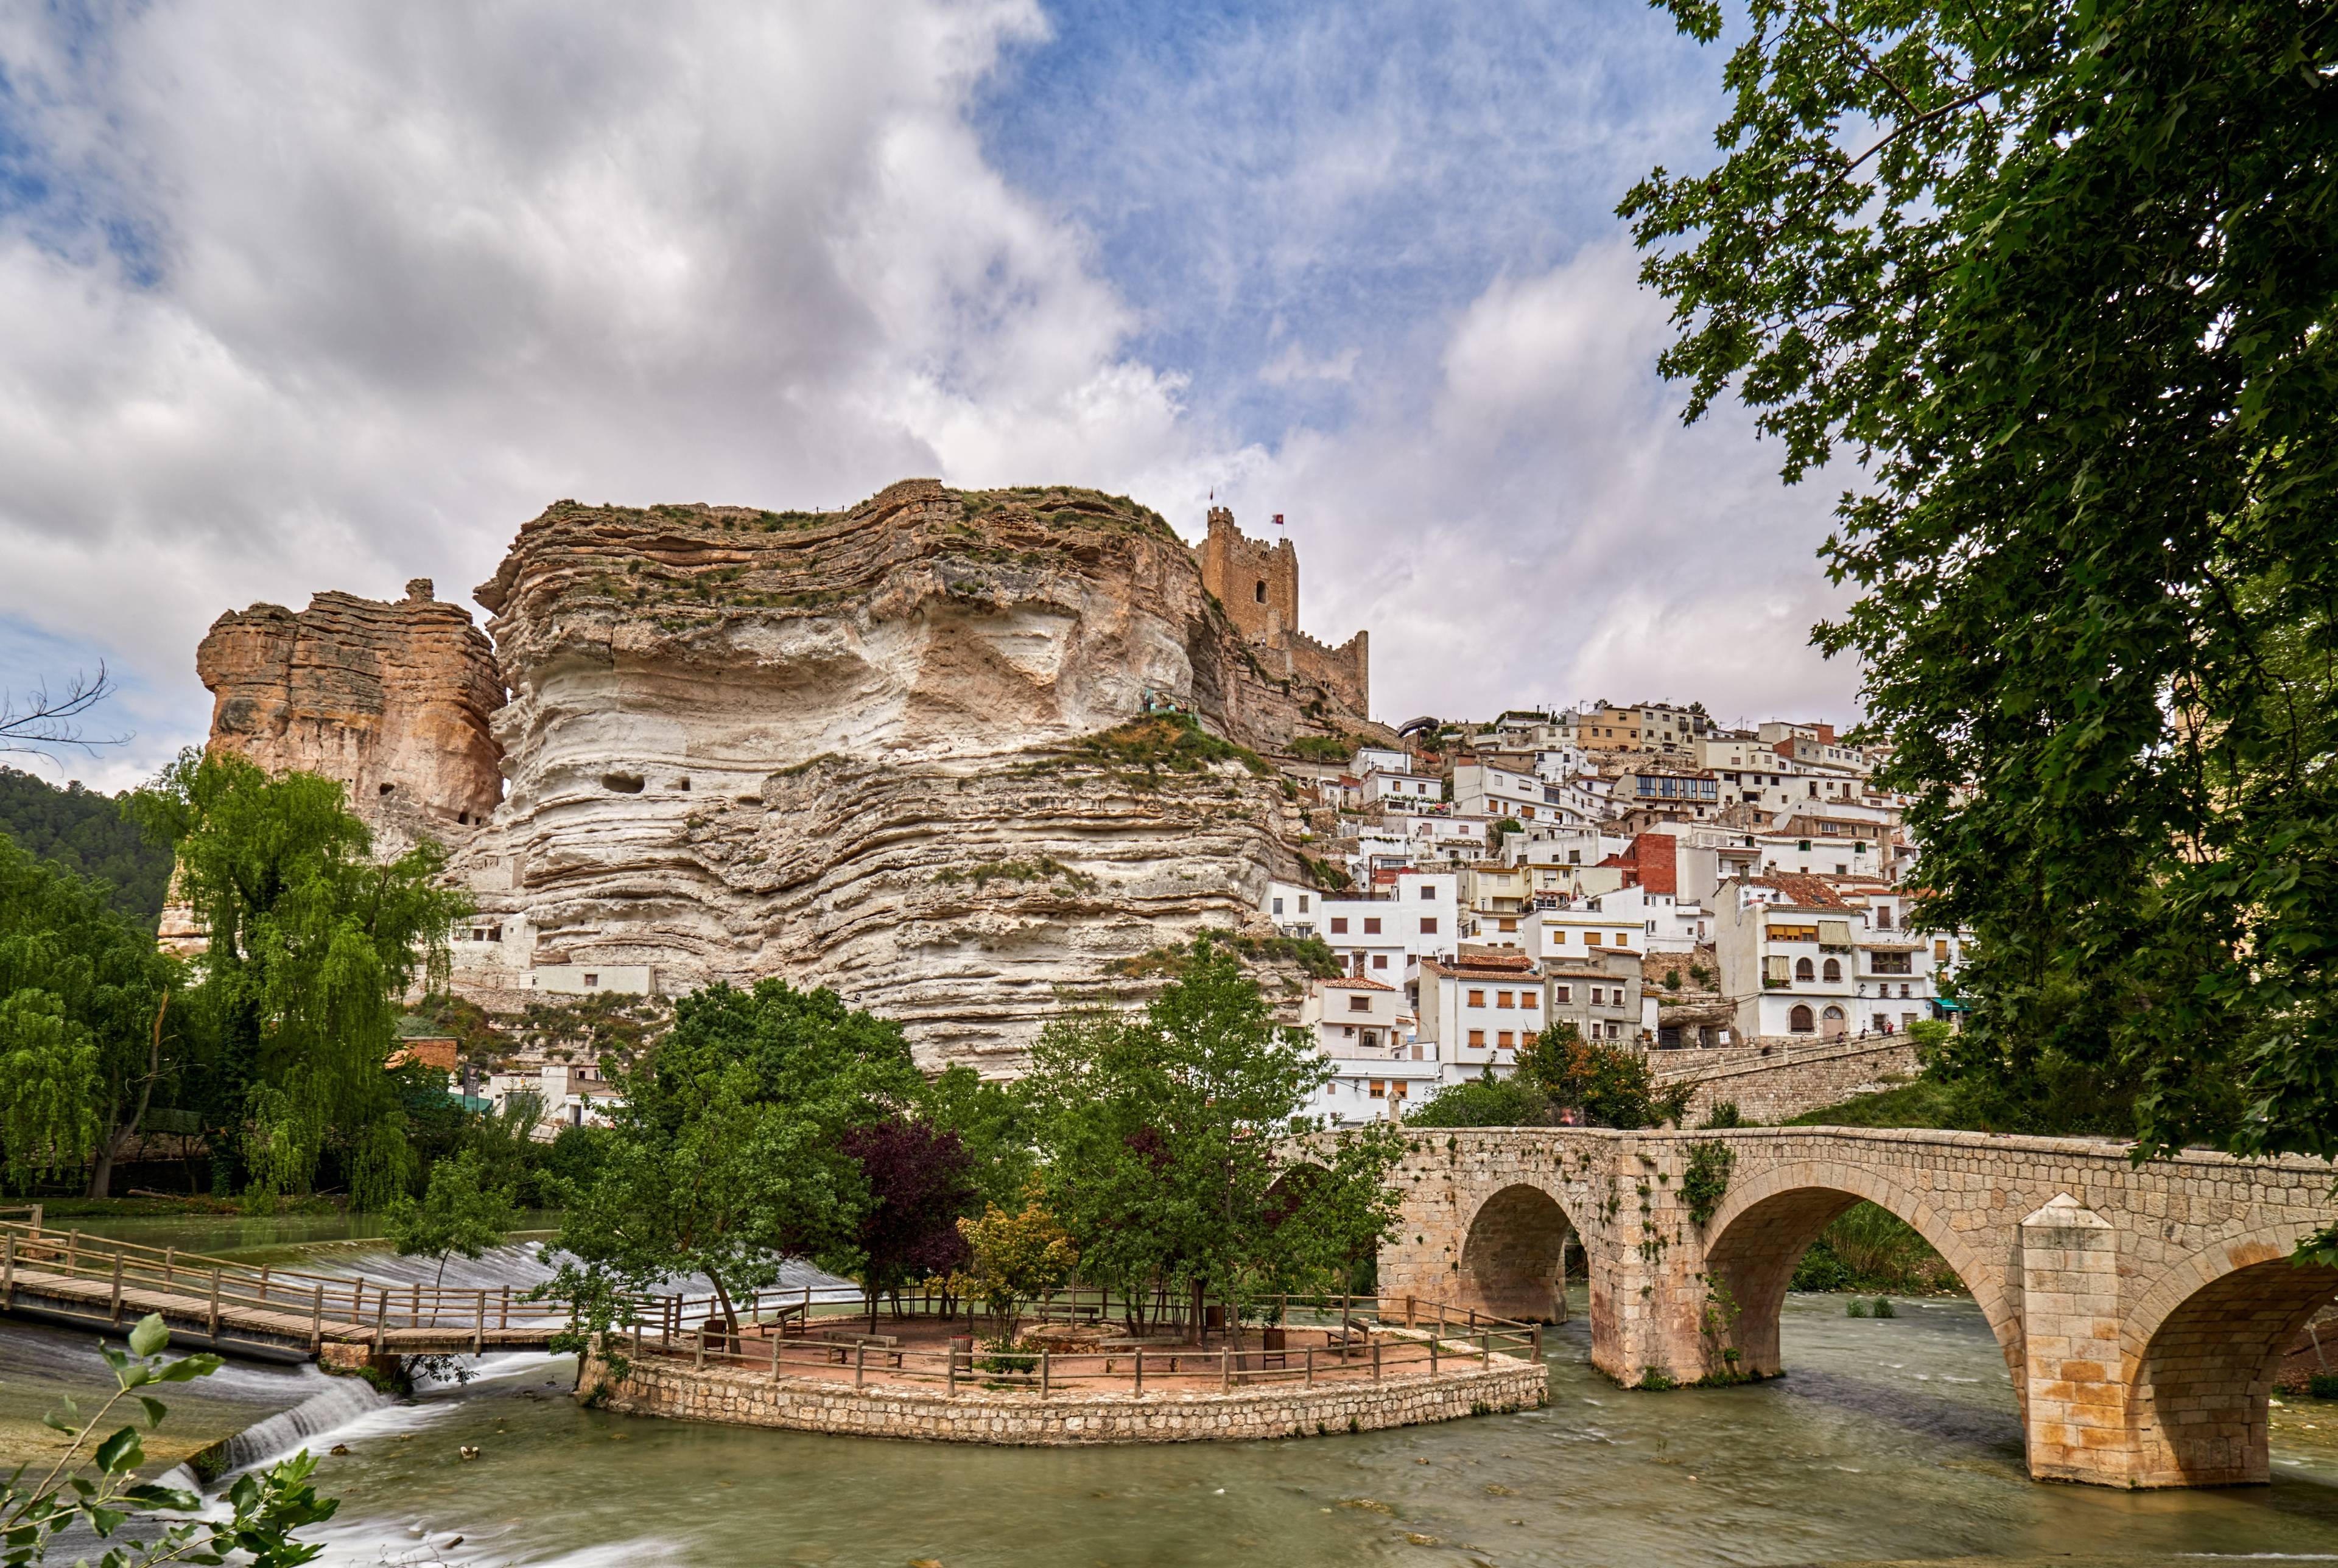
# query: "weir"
2141 1309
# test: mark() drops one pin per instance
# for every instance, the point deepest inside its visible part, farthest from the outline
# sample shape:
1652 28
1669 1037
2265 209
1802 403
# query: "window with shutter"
1776 968
1835 933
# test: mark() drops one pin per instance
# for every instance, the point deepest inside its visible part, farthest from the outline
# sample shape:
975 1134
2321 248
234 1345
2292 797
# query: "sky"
306 298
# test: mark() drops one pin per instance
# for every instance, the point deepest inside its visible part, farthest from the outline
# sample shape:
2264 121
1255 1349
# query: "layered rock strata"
862 749
393 700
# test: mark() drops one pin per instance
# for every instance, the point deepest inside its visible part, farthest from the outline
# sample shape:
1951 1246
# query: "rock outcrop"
900 749
393 700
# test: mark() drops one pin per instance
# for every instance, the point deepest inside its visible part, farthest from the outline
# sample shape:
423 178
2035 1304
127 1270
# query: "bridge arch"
1511 1252
1765 1224
2200 1351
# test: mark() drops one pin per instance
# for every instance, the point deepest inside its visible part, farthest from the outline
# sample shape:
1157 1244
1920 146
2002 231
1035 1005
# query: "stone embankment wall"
1774 1084
740 1396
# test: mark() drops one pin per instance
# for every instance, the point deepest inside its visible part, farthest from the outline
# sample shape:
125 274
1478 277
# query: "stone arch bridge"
2141 1310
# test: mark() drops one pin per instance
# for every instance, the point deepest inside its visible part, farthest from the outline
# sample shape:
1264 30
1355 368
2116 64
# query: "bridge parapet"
2140 1308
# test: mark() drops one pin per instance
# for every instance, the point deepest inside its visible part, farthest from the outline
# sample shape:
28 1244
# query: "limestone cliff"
393 700
889 749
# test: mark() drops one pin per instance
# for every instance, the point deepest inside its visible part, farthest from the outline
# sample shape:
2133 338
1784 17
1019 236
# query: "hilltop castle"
1258 584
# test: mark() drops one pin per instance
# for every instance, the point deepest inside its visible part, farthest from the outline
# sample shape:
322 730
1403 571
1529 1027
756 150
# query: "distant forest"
87 833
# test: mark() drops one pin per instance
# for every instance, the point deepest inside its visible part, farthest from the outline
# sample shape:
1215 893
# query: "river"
1889 1438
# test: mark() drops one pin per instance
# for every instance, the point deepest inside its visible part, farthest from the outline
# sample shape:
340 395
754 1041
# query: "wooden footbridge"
71 1277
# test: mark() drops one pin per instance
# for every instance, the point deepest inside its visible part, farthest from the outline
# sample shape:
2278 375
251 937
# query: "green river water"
1889 1439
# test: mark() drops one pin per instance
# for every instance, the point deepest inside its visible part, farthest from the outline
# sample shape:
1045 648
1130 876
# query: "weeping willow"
313 943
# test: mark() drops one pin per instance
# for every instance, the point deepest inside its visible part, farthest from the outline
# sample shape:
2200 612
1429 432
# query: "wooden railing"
266 1304
1371 1358
778 1338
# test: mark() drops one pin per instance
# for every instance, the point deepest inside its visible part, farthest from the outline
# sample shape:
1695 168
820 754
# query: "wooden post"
117 1286
1311 1367
1225 1371
952 1375
73 1249
1409 1305
381 1326
1376 1360
700 1361
775 1359
861 1361
1433 1342
1140 1369
503 1319
315 1320
1537 1342
263 1284
480 1325
416 1313
169 1267
215 1285
1043 1374
8 1271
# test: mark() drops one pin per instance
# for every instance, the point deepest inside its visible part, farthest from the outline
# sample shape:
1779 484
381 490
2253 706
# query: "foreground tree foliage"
311 941
84 1034
2061 276
1163 1137
93 1484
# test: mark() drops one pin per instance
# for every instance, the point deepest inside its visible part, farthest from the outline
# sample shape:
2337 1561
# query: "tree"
919 1182
1487 1102
100 1493
1017 1257
1166 1132
2062 278
725 1152
84 996
993 1123
42 721
1606 1085
87 834
460 1212
310 941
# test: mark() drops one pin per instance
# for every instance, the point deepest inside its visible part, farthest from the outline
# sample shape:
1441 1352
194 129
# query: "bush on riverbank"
1870 1251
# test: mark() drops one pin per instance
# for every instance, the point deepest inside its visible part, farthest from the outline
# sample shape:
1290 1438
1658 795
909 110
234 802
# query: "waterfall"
339 1402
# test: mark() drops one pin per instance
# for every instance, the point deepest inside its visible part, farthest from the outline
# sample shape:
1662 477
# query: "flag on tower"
1278 519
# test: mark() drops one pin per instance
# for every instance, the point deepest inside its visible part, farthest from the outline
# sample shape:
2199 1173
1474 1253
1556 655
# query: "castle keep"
1258 584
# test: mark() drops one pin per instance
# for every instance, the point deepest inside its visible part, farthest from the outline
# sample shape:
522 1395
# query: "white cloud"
417 271
334 296
1547 530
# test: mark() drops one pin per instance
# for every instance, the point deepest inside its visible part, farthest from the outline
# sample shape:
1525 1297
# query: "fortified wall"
1258 584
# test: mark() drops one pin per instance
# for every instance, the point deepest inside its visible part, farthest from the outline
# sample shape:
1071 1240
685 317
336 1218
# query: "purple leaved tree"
920 1180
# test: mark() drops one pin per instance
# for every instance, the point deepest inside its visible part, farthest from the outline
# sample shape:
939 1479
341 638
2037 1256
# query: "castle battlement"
1258 584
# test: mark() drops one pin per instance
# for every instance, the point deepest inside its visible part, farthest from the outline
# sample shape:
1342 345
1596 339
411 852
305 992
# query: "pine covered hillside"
86 832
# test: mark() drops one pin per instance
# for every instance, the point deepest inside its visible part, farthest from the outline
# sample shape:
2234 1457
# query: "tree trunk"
117 1136
730 1313
1194 1305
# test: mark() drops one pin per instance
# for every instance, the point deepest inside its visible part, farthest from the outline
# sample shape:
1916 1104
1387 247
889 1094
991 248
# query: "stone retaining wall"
1791 1079
741 1397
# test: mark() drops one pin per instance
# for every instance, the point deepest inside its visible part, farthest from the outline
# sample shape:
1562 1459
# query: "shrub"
1167 742
2322 1385
1724 1115
1871 1250
1883 1308
1855 1307
1706 1181
1483 1103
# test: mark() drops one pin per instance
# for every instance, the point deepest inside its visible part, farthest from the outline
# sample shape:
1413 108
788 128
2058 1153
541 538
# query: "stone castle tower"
1258 584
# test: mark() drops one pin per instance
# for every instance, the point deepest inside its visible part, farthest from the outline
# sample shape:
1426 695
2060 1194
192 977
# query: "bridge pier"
2141 1310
